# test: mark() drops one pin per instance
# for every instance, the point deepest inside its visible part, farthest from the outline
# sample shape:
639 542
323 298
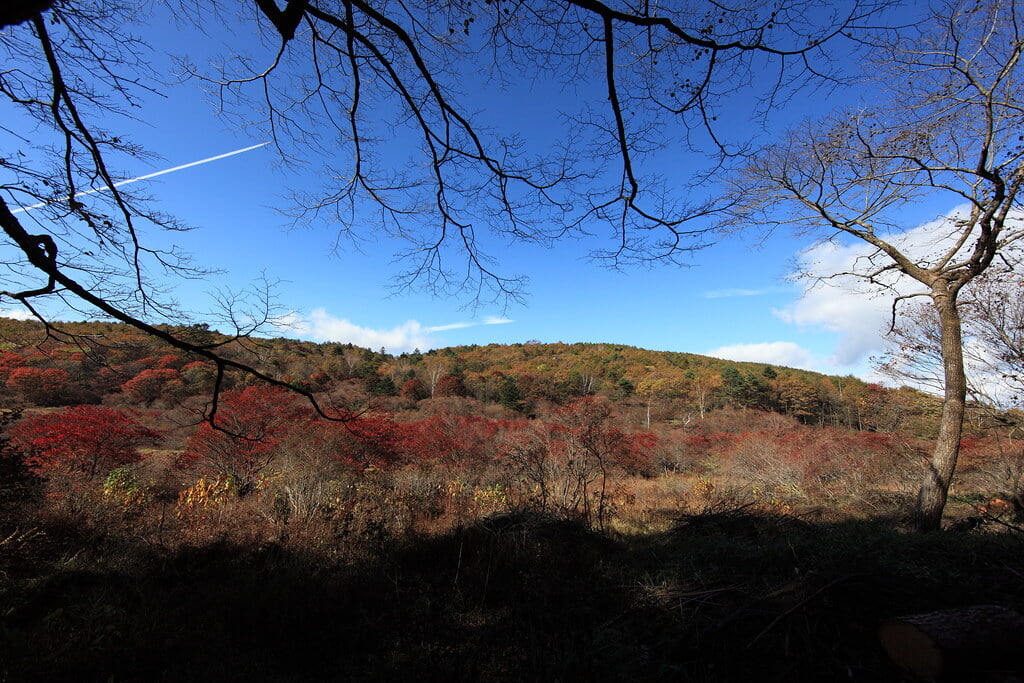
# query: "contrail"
150 175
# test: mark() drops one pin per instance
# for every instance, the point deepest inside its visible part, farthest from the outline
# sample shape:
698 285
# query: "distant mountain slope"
92 362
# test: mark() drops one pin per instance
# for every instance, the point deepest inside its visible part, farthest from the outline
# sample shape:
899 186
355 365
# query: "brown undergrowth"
416 575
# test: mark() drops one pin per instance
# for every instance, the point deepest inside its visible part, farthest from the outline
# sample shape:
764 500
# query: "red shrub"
375 441
83 441
8 362
169 361
586 427
251 425
362 442
149 385
413 390
819 460
454 440
449 385
38 386
636 457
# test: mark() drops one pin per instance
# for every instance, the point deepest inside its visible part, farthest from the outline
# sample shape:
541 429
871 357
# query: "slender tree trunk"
931 500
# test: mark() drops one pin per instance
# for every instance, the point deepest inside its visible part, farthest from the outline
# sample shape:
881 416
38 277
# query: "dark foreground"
727 596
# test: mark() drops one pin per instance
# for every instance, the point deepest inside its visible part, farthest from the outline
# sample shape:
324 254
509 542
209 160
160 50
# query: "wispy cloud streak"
150 175
490 320
726 293
450 326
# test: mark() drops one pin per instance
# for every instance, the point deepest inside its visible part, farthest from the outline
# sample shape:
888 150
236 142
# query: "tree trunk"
931 500
959 644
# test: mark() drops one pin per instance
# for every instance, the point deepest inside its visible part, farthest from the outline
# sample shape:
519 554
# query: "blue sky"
733 301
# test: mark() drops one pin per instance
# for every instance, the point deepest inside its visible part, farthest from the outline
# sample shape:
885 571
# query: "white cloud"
845 307
775 353
323 327
858 312
16 313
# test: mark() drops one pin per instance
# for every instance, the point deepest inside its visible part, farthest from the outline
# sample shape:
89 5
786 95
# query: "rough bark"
958 644
931 499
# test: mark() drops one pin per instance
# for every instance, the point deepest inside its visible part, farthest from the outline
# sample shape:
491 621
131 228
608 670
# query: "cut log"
957 644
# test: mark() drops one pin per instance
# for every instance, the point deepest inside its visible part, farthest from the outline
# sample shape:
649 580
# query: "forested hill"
93 362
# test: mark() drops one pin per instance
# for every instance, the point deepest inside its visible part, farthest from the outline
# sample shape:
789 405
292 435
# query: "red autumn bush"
455 441
8 362
368 441
586 427
82 442
413 390
39 386
169 361
817 462
567 463
449 385
251 424
150 385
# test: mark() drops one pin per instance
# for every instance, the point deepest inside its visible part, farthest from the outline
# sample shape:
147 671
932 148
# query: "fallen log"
957 644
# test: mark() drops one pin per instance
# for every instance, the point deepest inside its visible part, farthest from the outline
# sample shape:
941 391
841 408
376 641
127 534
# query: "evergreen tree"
510 396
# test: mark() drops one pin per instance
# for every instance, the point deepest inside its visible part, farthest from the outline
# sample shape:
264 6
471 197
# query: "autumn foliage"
152 384
521 486
413 390
453 441
250 425
354 442
38 385
563 428
83 441
449 385
569 462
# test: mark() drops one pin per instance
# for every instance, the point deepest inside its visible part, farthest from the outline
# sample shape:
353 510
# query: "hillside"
495 512
98 362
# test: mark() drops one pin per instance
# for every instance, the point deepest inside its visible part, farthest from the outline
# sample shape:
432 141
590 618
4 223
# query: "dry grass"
427 574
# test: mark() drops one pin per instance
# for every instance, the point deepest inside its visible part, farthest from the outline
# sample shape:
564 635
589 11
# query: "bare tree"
436 368
645 76
331 70
995 314
992 314
914 350
992 310
945 126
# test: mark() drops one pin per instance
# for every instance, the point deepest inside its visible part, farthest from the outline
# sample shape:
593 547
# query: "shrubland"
551 511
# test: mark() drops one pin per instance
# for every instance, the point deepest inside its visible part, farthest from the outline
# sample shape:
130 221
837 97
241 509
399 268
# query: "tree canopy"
946 124
343 84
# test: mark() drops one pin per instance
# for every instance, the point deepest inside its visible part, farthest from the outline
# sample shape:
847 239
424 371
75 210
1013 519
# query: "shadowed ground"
727 595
